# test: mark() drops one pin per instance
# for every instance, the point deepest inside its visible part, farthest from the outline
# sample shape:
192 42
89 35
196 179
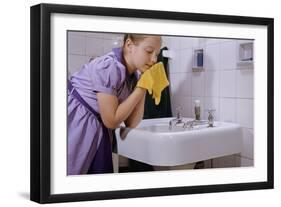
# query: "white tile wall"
188 43
186 60
94 35
173 43
245 112
227 109
202 42
212 83
175 64
227 83
177 101
84 45
175 84
198 84
186 106
244 83
166 42
75 62
185 84
94 46
76 44
211 41
109 44
212 57
112 36
228 55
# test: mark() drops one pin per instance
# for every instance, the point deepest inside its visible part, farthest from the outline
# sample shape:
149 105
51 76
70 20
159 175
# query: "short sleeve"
106 74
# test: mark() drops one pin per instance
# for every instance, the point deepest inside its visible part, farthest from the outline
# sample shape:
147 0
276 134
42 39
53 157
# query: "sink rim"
159 122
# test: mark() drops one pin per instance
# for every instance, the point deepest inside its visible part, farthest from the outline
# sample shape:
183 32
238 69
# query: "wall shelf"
198 60
197 69
245 55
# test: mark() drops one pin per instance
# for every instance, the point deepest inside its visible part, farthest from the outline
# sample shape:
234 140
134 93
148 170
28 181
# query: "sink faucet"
190 124
178 119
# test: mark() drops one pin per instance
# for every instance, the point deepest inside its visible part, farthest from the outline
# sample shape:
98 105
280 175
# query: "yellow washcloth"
154 80
146 81
160 81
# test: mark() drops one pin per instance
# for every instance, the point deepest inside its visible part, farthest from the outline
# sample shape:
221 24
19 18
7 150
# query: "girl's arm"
136 116
112 113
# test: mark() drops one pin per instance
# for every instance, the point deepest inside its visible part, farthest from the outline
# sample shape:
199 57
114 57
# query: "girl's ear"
129 44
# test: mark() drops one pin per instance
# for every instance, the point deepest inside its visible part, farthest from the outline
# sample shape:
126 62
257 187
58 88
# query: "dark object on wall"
200 59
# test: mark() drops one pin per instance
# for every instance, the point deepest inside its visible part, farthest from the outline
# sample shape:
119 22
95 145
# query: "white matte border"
60 183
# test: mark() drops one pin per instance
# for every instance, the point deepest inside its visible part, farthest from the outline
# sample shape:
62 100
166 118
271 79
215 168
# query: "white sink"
152 142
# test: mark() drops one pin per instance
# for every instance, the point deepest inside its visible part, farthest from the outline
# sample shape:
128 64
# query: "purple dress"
89 145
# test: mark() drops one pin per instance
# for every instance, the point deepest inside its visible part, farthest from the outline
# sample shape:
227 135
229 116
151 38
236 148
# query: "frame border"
40 100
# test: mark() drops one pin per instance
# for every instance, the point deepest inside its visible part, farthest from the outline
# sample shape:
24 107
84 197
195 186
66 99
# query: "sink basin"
152 142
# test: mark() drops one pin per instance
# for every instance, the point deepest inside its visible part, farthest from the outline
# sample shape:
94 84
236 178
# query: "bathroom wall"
82 46
222 85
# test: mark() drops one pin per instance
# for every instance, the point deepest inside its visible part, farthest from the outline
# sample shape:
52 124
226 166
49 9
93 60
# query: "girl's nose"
154 59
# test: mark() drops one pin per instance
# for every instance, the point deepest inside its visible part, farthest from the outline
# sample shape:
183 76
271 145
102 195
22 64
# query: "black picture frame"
41 96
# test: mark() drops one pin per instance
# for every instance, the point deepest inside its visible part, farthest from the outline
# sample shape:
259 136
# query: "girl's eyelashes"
152 51
148 50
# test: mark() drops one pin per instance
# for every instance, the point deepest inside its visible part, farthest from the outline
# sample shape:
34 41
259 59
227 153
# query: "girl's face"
143 54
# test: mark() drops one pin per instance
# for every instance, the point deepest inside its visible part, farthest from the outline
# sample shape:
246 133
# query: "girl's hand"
146 81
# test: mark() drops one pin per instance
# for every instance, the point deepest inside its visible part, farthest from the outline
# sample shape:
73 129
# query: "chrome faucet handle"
211 117
178 119
179 109
210 111
190 124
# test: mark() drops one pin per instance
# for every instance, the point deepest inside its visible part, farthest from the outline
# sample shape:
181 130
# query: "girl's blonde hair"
136 38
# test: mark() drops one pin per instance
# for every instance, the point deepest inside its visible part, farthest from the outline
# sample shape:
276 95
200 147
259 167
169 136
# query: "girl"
101 96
